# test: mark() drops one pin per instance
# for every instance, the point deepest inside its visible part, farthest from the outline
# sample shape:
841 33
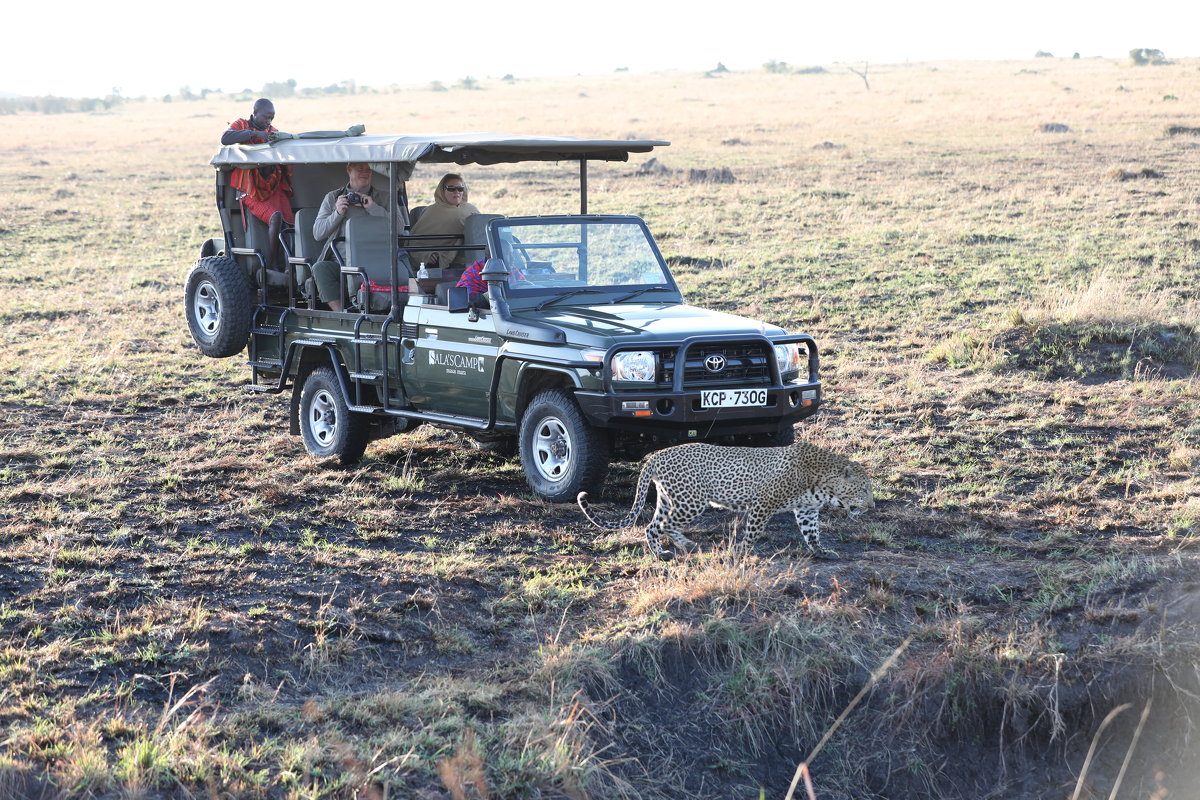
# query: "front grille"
746 364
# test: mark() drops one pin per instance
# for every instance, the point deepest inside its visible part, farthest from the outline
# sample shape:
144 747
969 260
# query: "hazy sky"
75 48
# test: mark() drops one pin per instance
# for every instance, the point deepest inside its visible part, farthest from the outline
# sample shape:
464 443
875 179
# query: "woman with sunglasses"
450 208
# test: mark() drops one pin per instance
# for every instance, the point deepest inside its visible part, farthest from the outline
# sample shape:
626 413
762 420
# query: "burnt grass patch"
1093 353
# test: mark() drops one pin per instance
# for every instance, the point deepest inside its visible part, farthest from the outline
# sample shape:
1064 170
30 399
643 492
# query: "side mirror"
458 299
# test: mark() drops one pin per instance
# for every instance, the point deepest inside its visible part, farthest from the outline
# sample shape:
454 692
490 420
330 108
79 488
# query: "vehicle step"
374 377
474 423
272 388
267 363
266 330
367 338
364 409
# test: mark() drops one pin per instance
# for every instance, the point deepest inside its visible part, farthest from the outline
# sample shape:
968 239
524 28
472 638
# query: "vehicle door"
450 361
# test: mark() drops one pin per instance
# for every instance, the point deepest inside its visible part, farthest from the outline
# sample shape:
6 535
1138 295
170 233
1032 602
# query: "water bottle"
422 273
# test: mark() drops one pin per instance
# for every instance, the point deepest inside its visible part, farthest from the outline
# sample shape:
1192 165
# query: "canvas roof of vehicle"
452 148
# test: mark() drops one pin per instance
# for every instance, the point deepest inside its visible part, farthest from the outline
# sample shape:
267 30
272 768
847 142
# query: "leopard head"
851 489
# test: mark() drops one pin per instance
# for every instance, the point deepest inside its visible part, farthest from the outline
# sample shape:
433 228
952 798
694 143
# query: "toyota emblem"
715 363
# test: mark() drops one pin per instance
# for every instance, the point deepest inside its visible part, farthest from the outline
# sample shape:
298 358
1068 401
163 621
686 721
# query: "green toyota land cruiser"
581 345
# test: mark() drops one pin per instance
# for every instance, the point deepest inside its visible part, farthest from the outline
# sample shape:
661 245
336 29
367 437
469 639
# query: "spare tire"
219 304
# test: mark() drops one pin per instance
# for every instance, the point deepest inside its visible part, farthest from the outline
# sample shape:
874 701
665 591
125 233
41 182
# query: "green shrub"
1143 56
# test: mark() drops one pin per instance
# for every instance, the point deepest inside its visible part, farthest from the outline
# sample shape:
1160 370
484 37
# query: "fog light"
809 394
635 405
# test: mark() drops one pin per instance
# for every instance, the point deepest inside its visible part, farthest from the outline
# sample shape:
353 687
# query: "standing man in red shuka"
265 191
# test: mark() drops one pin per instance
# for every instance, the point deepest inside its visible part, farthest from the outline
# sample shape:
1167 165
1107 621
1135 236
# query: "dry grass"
1115 296
1009 343
726 577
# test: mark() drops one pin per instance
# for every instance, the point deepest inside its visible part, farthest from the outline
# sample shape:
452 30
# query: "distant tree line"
186 94
783 68
51 104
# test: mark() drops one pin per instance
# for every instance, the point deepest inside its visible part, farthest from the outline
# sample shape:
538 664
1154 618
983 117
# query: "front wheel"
219 305
561 453
327 425
784 437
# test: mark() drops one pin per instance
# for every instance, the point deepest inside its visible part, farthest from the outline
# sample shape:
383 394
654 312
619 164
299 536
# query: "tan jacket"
440 218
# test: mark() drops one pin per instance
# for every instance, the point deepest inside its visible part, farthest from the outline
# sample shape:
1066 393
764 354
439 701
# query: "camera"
354 199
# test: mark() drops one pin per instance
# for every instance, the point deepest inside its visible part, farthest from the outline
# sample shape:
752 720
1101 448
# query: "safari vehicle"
582 346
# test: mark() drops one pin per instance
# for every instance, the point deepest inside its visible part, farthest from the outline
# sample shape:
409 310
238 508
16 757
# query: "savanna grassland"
1010 329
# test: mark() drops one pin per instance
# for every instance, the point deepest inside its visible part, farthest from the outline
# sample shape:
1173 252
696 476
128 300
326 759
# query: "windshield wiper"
642 291
571 293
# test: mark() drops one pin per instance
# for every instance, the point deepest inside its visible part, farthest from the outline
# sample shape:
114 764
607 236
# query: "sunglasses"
456 188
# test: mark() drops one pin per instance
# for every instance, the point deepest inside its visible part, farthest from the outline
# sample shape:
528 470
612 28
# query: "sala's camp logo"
456 360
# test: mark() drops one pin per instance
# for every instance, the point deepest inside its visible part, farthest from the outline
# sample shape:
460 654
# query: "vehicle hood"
650 321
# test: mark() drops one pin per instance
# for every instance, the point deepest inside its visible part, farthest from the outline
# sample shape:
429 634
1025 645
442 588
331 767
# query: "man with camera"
357 198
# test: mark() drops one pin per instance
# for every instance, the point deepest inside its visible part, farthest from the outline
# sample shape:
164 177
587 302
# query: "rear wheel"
327 425
561 453
219 305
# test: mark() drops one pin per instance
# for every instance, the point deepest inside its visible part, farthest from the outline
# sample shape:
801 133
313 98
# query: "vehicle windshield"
605 255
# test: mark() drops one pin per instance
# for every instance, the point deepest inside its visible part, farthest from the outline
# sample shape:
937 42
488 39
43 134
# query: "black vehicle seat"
514 259
256 236
368 249
414 214
302 250
474 228
307 247
259 241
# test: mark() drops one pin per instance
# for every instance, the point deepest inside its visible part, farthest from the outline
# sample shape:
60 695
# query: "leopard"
755 482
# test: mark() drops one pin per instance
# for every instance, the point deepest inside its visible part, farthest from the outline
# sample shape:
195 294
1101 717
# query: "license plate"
732 398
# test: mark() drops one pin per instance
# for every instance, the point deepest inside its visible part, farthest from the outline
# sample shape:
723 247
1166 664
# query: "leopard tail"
643 489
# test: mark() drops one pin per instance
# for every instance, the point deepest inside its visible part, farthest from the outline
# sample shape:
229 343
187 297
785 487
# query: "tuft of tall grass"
554 754
726 576
1115 298
966 351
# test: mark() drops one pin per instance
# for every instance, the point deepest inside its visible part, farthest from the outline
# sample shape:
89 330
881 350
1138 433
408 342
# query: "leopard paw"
657 549
684 544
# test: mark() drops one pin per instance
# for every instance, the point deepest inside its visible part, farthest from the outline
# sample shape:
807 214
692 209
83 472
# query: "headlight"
633 365
787 356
